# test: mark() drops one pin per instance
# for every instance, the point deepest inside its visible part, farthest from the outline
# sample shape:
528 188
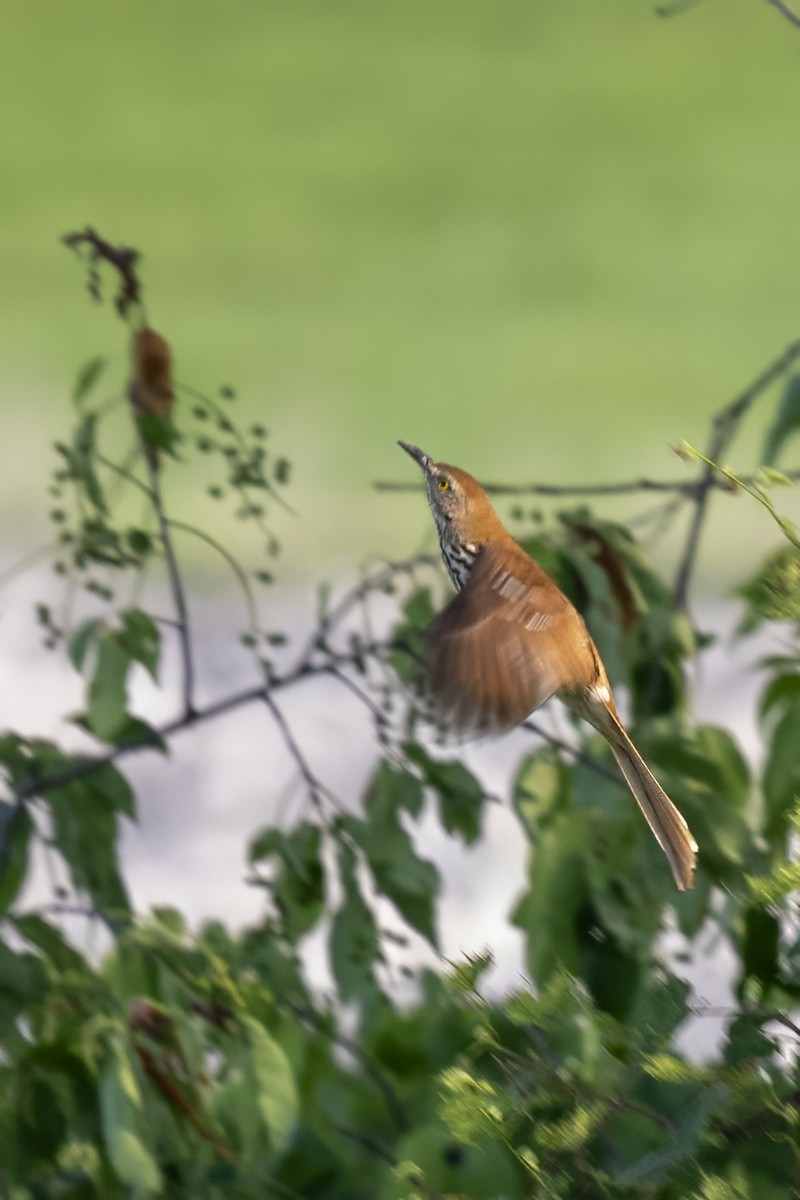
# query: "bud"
150 390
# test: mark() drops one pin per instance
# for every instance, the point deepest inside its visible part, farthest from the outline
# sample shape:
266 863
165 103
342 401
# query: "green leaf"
139 541
773 594
776 477
80 459
141 639
23 979
548 912
50 940
86 378
781 779
787 420
782 687
658 1163
782 881
460 796
704 772
274 1089
107 707
543 787
85 831
746 1040
410 882
120 1101
661 1006
108 782
354 946
417 613
390 786
82 640
16 827
760 947
298 883
135 732
157 431
465 975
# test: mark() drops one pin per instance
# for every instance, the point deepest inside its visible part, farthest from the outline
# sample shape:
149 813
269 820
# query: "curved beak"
418 455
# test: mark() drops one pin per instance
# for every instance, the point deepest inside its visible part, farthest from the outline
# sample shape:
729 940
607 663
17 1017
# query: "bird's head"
461 509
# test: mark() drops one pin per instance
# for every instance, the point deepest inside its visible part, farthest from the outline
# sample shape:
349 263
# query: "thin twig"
688 489
573 752
786 12
80 767
629 487
178 594
367 1143
675 8
239 574
393 1105
378 714
782 1019
723 430
316 790
124 260
356 594
84 765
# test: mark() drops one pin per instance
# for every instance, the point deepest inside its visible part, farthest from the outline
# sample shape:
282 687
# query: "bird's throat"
459 558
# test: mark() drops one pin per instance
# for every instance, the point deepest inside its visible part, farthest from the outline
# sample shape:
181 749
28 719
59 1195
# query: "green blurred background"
540 239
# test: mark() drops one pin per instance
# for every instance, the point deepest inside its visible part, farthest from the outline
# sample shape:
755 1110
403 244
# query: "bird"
510 639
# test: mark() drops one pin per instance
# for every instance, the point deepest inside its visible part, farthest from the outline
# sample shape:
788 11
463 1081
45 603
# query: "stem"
315 789
178 594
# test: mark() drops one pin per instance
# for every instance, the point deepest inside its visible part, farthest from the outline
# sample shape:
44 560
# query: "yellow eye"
443 485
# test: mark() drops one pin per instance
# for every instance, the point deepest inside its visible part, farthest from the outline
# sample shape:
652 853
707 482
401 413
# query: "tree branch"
786 12
123 259
723 430
626 488
687 489
390 1098
316 790
80 767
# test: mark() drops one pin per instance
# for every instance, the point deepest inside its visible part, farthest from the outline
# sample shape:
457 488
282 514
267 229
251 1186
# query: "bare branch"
687 489
675 8
573 752
356 595
630 487
313 1018
316 790
723 430
84 765
786 12
80 767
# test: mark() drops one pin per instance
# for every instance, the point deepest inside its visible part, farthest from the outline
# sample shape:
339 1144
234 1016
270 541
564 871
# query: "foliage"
186 1063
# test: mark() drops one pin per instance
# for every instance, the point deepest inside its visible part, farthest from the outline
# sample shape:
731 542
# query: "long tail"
668 826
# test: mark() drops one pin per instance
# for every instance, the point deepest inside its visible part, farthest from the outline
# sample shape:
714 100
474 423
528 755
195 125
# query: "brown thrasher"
511 639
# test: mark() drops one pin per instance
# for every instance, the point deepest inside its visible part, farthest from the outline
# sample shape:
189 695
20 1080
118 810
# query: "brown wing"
504 644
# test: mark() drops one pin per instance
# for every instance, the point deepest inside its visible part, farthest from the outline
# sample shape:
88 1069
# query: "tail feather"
668 826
